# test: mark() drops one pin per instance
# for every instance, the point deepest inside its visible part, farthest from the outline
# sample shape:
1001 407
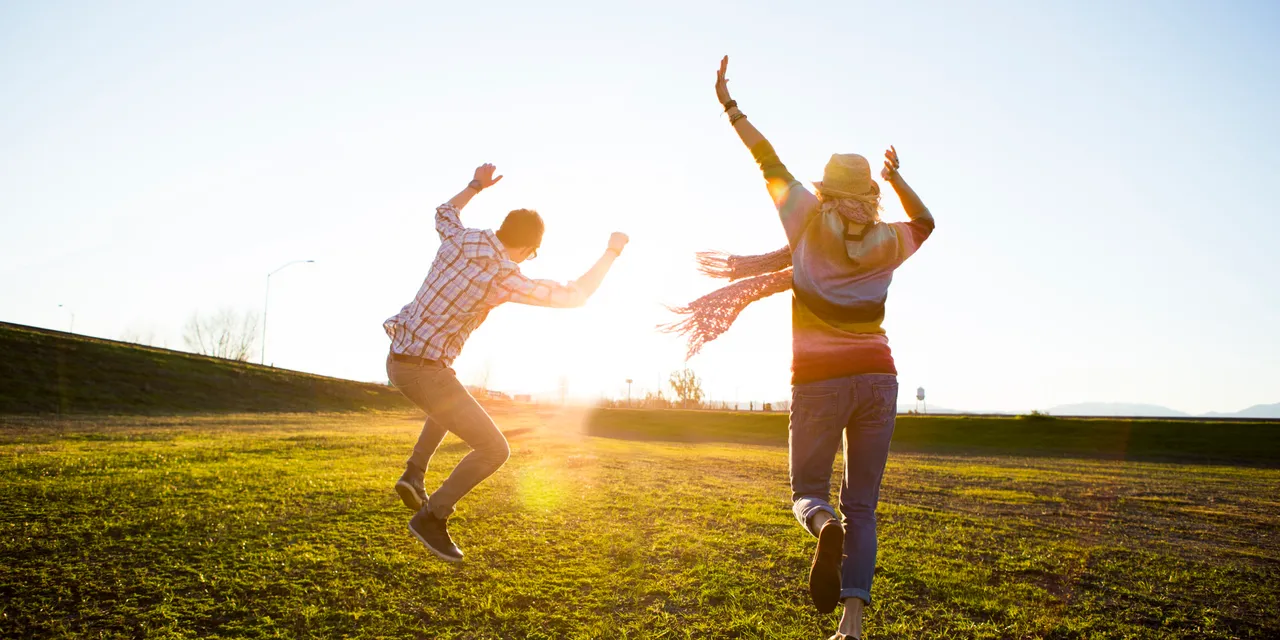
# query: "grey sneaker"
824 574
433 533
409 488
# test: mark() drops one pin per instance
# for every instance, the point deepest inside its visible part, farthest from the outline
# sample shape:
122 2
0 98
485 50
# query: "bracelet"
733 119
475 184
729 105
616 252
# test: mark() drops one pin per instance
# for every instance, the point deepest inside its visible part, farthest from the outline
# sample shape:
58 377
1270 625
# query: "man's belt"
421 362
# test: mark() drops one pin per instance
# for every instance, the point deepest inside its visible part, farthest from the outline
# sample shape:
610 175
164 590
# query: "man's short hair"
522 228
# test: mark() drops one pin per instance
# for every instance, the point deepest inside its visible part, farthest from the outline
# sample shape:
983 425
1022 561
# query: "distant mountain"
1261 411
1129 409
1115 409
1256 411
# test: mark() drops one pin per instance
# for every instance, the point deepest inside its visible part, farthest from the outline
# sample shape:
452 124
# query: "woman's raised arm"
795 204
747 131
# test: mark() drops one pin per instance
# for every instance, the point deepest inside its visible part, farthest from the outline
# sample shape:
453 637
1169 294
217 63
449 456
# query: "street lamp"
267 300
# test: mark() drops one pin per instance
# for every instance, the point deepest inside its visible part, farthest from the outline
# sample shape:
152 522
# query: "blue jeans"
862 408
449 407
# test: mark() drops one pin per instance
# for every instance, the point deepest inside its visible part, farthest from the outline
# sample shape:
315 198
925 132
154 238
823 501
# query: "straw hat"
848 175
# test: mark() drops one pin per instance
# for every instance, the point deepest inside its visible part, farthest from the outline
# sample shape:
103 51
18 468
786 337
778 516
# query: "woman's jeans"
862 408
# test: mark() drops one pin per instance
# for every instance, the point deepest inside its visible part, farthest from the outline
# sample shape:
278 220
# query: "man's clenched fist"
617 241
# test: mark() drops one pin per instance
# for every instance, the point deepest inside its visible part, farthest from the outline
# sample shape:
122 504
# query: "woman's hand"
722 84
890 170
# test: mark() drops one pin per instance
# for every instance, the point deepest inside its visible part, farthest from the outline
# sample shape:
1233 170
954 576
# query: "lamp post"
267 301
72 327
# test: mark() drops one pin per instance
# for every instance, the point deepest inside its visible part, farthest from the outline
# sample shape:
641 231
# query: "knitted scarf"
753 277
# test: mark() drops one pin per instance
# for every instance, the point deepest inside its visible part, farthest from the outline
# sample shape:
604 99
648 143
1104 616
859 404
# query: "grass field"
286 526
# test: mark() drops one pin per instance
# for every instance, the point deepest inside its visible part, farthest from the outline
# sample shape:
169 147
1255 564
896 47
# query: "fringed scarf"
753 277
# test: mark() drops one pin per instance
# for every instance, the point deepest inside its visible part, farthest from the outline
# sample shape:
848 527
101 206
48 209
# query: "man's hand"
617 241
722 83
484 176
483 180
890 170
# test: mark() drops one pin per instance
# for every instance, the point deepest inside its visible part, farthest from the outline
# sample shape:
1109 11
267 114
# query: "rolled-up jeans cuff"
438 510
861 594
805 508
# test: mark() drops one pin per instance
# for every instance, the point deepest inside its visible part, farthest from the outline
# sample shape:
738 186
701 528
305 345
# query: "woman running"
838 263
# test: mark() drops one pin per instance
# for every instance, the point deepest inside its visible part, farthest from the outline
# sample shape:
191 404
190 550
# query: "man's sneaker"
412 493
824 573
433 533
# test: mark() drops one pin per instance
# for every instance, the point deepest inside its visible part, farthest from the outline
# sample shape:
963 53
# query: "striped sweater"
840 281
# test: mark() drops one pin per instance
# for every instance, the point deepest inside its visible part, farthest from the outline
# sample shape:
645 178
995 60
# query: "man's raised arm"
447 222
549 293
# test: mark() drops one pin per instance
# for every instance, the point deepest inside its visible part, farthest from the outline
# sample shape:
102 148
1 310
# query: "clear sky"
1101 174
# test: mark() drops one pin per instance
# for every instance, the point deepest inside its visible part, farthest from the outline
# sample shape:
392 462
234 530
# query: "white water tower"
920 400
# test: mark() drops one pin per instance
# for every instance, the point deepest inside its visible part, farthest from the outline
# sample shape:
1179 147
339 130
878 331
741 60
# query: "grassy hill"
1157 439
48 372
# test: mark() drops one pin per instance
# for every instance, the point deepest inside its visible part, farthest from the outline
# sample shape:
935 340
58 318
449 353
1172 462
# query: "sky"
1100 174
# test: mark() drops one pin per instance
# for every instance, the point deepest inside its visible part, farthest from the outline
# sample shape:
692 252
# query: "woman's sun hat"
847 175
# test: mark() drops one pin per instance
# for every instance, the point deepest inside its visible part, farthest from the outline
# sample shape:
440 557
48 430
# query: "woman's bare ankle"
851 619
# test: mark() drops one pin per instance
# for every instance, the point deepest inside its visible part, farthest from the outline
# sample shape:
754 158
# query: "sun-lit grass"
1005 495
286 526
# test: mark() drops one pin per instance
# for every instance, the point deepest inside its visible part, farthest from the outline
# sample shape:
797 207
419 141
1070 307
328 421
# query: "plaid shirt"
471 275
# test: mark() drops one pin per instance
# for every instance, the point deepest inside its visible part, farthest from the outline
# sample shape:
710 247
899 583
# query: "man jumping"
473 272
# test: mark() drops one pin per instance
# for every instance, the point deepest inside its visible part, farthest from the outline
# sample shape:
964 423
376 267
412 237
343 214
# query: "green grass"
50 372
286 526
